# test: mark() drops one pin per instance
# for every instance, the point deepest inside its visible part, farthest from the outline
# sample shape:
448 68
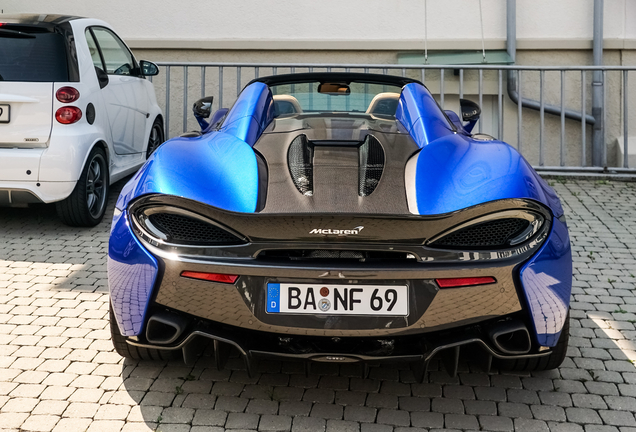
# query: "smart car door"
124 95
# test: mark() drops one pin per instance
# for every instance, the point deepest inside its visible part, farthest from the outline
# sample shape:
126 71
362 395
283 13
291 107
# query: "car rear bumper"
23 192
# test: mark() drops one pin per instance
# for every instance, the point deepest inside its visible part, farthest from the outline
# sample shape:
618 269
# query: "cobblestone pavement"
58 370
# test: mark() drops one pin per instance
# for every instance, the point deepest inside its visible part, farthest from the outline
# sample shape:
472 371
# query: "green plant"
576 193
178 390
188 377
620 310
611 280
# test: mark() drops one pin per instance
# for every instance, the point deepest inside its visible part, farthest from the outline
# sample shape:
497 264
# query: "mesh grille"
488 234
183 229
300 162
371 165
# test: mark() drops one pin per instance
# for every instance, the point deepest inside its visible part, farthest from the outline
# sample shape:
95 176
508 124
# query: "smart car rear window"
32 56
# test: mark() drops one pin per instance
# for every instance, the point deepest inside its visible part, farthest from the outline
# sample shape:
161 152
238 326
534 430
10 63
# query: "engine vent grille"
300 162
187 230
371 165
496 233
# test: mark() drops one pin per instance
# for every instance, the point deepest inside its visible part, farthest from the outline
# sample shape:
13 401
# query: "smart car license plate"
5 113
327 299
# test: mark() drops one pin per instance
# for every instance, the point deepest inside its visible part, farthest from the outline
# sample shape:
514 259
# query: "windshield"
317 97
37 56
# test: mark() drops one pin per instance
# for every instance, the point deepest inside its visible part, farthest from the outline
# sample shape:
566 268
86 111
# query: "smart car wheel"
134 352
155 139
87 203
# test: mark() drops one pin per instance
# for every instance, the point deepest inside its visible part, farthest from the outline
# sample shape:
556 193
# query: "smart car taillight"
67 94
68 115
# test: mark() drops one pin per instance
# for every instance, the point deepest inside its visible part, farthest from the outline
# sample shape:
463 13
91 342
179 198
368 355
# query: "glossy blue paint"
418 112
455 172
216 169
132 272
251 113
547 285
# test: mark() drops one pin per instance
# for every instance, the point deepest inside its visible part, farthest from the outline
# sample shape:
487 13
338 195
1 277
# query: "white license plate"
5 113
293 298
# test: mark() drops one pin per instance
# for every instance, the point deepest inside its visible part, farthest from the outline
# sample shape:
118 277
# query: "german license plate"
293 298
5 113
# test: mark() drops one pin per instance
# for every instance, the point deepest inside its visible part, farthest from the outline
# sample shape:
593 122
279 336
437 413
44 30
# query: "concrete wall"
374 31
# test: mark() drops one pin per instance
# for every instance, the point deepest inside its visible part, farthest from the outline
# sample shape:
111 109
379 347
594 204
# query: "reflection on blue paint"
547 285
131 276
455 172
216 169
251 113
418 112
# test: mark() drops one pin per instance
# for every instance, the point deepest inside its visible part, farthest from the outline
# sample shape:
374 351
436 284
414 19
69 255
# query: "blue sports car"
340 217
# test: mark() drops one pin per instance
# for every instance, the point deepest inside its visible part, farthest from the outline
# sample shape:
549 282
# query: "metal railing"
549 130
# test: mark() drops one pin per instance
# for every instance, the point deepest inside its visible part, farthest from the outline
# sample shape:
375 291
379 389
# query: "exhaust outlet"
511 337
164 328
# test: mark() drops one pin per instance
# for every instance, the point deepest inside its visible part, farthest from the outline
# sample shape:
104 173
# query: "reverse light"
67 94
462 282
212 277
68 115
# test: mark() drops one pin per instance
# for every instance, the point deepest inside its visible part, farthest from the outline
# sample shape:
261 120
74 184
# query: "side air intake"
371 165
300 162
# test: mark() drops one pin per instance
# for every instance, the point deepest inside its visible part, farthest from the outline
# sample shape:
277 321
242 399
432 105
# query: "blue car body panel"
251 113
418 112
216 168
132 272
453 171
547 285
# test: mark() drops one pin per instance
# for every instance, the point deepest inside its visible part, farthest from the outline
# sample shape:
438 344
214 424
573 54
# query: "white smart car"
76 114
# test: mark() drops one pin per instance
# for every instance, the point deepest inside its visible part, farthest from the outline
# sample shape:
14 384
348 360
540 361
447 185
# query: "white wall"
338 20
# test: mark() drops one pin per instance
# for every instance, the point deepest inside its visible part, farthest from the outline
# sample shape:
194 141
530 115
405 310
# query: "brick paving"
58 370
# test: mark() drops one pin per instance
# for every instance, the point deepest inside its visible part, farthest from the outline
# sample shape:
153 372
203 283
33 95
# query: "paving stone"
327 411
342 426
275 423
360 414
237 420
427 419
496 423
208 417
294 408
308 424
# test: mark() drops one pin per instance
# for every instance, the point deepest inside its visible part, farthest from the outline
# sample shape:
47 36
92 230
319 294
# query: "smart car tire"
551 361
86 205
133 352
155 139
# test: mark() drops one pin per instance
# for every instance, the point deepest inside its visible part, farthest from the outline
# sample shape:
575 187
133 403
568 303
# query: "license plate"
5 111
328 299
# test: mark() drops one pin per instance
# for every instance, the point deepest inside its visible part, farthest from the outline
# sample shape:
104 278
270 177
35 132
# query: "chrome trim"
148 233
535 219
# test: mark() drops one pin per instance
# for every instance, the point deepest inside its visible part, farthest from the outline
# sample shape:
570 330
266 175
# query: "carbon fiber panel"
336 173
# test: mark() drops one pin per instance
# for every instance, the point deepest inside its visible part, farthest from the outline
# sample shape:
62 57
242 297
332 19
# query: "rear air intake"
495 233
181 227
370 166
300 162
184 229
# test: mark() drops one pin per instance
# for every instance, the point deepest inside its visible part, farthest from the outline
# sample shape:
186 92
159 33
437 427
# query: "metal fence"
547 127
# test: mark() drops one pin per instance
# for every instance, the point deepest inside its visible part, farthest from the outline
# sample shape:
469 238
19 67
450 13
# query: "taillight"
466 281
68 114
213 277
67 94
